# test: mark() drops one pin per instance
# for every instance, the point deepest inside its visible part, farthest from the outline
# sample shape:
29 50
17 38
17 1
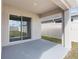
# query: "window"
19 28
48 21
75 17
59 20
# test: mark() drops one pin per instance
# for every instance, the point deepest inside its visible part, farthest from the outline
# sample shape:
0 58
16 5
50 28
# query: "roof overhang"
62 4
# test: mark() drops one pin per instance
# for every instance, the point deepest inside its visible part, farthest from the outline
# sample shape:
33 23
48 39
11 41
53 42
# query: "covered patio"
21 29
37 49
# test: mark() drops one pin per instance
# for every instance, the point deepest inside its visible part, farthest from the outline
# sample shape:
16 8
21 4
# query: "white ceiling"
41 6
35 6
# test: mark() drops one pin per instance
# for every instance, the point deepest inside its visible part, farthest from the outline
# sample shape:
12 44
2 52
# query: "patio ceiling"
35 6
41 6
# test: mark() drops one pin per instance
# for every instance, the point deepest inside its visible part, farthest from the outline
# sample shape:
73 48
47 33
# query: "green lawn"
52 39
73 54
17 33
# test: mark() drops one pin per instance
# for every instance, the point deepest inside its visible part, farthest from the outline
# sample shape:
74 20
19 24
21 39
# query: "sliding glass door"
19 28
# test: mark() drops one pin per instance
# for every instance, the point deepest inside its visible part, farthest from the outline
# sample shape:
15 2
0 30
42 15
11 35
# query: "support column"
67 29
63 31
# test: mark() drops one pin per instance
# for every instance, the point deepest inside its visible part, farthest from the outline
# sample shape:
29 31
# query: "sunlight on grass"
73 54
52 39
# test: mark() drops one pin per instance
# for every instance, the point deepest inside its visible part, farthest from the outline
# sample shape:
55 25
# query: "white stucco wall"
35 24
70 30
74 29
67 29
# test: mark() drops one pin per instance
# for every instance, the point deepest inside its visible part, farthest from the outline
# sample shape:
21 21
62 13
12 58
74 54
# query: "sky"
14 23
74 11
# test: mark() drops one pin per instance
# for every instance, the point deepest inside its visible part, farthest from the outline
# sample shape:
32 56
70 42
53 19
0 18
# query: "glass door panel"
19 28
15 30
24 30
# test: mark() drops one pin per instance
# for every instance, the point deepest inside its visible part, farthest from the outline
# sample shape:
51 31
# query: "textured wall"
35 24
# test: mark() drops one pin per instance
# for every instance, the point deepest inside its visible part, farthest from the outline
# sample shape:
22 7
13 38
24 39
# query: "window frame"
28 20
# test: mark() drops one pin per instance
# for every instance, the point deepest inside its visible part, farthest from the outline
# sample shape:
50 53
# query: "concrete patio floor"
37 49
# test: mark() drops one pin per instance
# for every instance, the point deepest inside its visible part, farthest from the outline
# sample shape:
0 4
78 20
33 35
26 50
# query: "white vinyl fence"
52 29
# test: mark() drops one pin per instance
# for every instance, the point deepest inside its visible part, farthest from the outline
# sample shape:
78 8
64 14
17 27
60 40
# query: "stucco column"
67 29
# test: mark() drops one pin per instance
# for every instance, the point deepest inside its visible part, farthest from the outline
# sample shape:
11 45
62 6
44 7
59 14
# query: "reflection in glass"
24 29
19 28
15 29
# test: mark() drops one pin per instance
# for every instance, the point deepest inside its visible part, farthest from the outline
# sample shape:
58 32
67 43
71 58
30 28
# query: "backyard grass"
52 39
73 54
17 33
